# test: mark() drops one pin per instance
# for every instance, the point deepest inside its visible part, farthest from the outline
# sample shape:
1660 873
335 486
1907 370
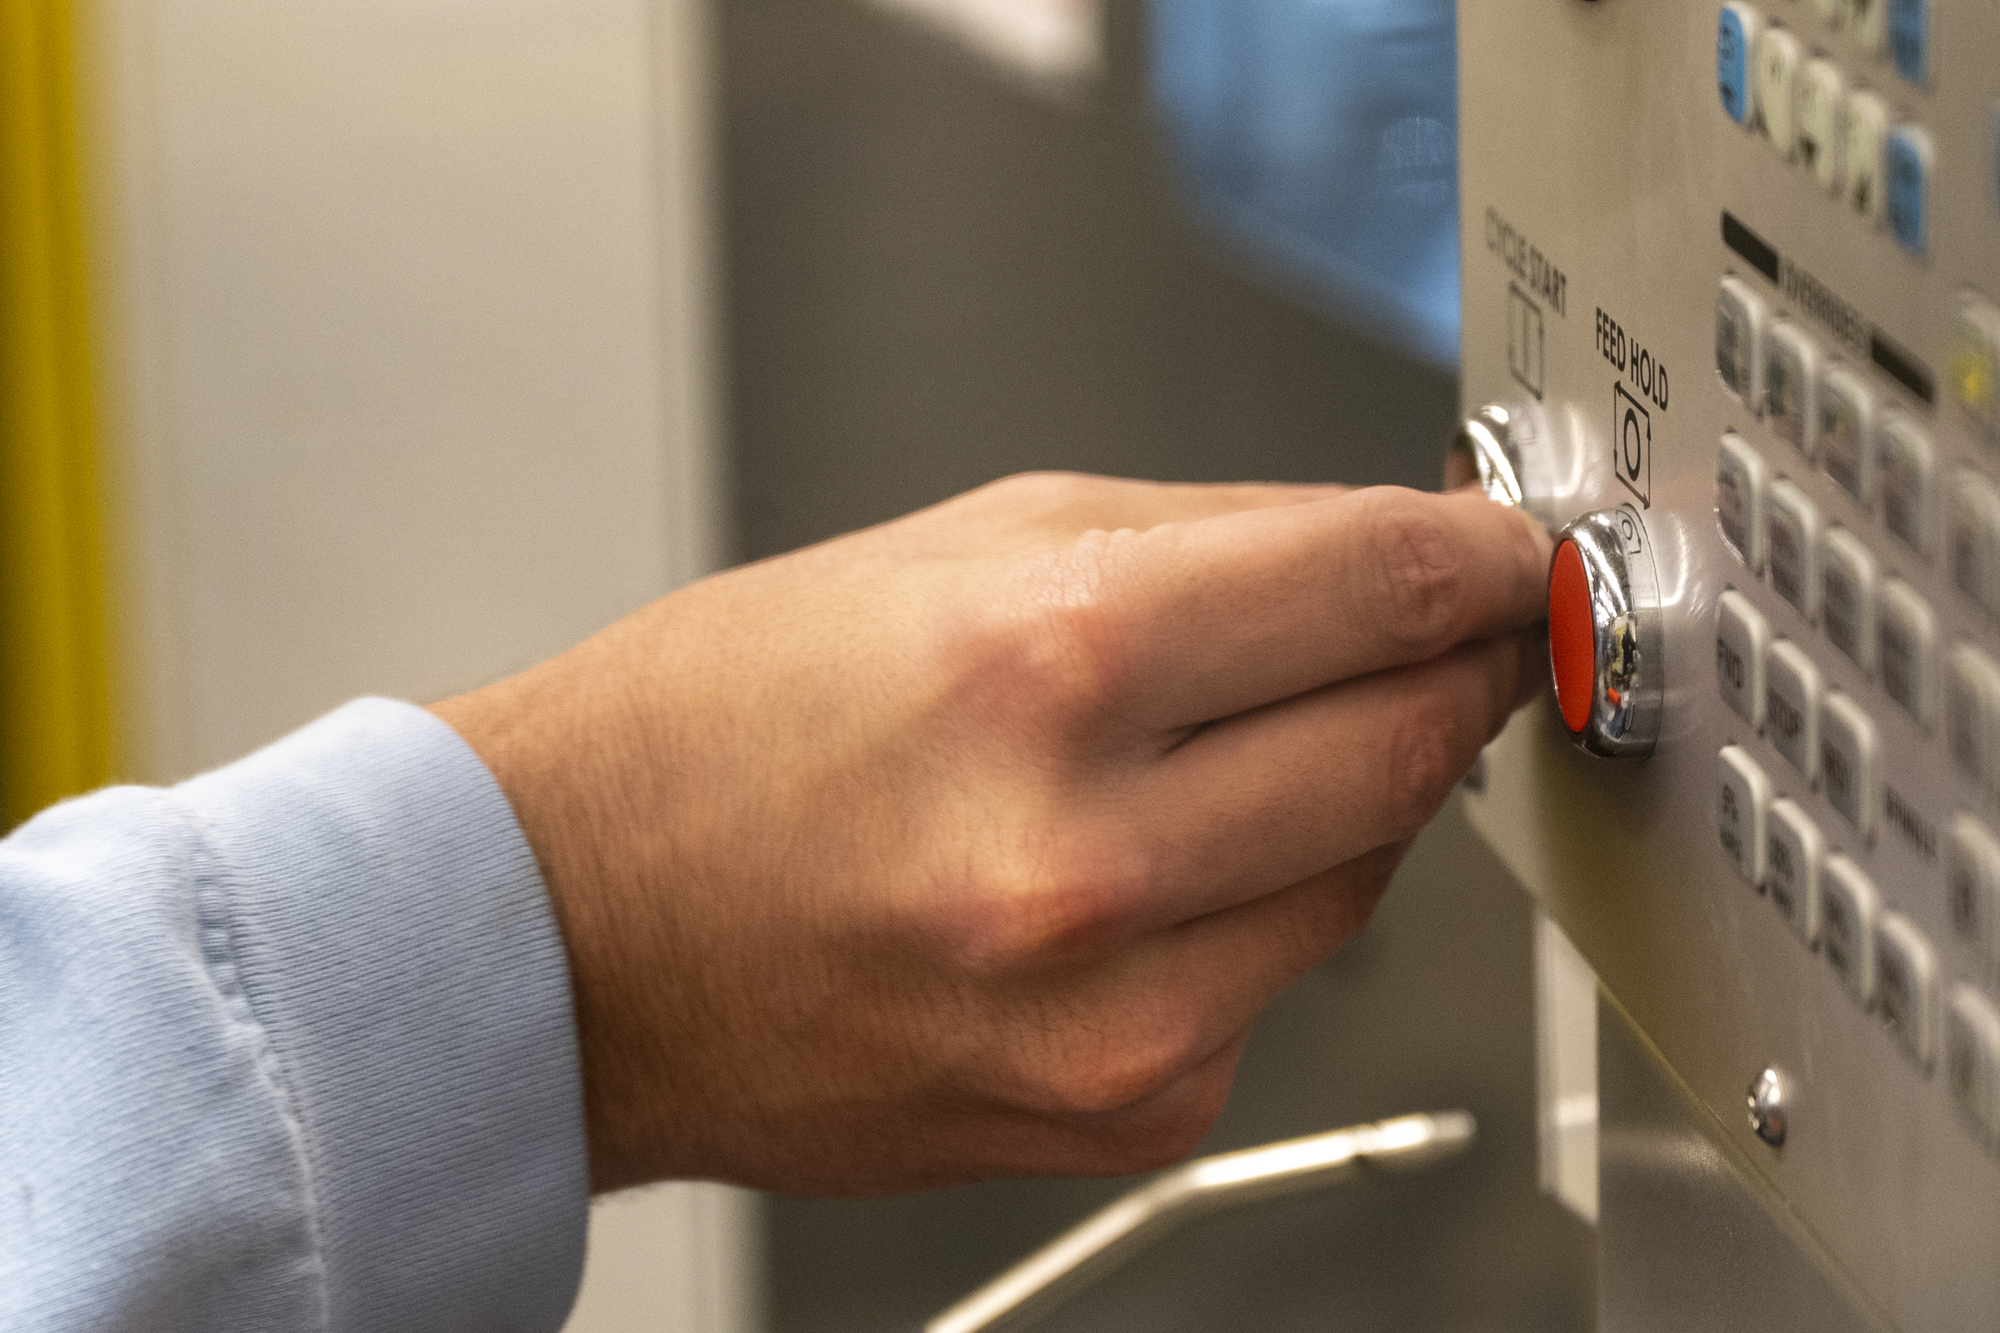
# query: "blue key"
1910 38
1907 194
1732 64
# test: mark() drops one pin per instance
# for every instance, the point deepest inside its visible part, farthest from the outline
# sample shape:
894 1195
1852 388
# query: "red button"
1572 637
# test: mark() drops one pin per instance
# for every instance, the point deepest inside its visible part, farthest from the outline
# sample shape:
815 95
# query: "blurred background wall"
406 359
937 276
429 336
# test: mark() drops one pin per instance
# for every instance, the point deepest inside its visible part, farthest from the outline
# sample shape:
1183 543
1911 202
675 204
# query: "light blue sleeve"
289 1047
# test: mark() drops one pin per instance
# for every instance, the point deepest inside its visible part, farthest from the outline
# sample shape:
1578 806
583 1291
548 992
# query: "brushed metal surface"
1687 1241
1597 165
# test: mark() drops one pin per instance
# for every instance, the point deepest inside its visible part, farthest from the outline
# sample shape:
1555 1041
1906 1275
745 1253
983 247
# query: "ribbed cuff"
395 942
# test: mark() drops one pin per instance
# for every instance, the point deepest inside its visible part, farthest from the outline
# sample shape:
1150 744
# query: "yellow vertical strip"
55 711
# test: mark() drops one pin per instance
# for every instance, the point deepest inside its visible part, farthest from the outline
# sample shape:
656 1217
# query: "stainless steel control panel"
1732 278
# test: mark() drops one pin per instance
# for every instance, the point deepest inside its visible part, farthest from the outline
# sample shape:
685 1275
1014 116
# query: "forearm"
288 1046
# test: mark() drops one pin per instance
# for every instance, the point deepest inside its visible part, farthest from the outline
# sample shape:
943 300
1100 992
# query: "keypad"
1907 650
1792 543
1848 580
1973 884
1741 481
1742 807
1974 539
1868 516
1734 38
1843 137
1791 385
1868 23
1906 469
1847 431
1776 60
1972 1057
1793 692
1972 713
1975 360
1740 317
1795 850
1910 38
1907 181
1742 639
1848 909
1850 763
1906 982
1864 153
1821 93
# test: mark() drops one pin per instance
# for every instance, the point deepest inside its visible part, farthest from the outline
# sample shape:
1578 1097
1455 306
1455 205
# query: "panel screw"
1767 1107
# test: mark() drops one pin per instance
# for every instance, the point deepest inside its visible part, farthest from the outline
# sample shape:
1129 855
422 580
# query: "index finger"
1038 509
1215 617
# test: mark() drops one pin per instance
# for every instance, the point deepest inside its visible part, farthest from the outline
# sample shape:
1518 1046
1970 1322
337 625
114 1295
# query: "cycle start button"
1605 637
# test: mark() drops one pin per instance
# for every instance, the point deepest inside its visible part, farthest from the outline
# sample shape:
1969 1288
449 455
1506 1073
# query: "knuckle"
1101 1073
1058 656
1083 672
1428 759
1422 571
1045 493
1069 898
1166 1131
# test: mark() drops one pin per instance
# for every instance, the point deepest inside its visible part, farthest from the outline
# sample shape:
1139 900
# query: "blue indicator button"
1910 38
1908 187
1733 38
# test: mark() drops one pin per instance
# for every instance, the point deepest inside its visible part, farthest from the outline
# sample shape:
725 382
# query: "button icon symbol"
1524 340
1632 431
1733 37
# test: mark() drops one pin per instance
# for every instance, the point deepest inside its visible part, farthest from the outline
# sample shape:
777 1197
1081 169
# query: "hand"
972 844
